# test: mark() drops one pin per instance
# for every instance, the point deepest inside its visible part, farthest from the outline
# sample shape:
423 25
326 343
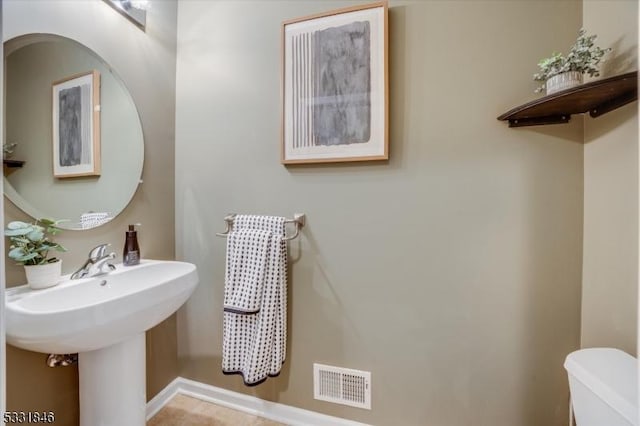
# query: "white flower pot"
43 276
563 81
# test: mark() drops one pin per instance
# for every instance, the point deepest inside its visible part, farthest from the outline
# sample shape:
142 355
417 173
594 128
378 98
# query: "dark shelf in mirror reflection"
13 163
10 166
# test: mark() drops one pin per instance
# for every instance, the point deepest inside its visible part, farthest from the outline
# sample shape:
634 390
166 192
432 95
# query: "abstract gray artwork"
74 112
332 86
70 129
335 86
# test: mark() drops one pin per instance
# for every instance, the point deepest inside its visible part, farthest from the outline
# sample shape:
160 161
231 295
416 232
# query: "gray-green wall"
610 269
146 64
451 272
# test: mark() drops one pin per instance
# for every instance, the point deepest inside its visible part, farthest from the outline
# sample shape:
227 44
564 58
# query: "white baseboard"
245 403
162 398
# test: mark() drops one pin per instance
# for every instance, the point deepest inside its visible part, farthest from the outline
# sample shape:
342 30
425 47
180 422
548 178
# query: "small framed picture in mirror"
76 125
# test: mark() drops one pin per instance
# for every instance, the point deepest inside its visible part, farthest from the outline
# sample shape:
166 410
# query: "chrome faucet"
96 264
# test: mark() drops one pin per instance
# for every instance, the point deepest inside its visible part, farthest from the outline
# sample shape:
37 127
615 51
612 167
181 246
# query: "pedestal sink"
103 319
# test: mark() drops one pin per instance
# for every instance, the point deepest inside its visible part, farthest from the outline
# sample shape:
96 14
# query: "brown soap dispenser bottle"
131 254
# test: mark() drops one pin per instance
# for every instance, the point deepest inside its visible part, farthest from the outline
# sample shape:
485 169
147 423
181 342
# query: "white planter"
43 276
563 81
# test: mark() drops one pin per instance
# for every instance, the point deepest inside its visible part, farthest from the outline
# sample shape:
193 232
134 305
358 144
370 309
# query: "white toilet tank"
604 387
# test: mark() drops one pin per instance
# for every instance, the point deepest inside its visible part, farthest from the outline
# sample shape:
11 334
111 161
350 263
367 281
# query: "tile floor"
186 411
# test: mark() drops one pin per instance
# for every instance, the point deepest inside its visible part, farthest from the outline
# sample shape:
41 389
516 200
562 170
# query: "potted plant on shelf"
30 246
560 72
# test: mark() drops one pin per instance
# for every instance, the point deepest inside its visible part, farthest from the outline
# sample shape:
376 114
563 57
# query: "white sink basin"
104 319
92 313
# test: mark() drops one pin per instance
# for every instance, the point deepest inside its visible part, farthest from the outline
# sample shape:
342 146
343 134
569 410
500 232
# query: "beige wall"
453 271
610 268
146 64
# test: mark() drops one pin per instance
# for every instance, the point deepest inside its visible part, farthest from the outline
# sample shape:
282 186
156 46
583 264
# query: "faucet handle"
98 251
103 264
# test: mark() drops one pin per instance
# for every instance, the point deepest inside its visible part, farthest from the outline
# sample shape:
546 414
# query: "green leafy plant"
8 148
31 242
583 57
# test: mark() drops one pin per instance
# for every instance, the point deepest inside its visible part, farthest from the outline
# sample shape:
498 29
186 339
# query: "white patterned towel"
255 298
91 219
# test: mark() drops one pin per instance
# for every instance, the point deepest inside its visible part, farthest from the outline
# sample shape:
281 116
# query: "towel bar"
298 219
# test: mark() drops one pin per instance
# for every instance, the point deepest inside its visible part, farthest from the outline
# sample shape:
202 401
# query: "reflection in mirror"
32 64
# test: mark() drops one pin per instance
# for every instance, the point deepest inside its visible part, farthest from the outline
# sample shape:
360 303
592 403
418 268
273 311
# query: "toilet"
604 387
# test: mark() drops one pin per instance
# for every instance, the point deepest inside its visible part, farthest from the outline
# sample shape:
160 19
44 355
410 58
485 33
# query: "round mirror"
73 147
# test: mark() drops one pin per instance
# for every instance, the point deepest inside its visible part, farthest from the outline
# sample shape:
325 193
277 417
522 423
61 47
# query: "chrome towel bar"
298 219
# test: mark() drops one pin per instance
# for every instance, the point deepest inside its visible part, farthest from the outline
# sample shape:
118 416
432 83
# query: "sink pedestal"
113 384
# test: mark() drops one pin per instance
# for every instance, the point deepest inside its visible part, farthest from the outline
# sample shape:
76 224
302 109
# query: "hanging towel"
255 299
92 219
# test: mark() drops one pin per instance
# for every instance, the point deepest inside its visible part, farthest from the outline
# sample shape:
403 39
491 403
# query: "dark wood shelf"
10 166
597 97
13 163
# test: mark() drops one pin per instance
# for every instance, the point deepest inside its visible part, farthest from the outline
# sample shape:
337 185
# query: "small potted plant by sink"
560 73
30 246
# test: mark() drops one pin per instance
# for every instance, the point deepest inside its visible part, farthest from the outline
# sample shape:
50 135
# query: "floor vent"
342 386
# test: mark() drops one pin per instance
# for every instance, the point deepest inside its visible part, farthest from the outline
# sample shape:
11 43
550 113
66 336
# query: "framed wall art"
76 126
335 86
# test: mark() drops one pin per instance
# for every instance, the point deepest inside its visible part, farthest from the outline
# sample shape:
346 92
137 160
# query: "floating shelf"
10 166
597 97
13 163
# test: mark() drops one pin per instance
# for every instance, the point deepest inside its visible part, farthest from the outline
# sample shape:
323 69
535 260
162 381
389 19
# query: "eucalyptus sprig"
31 242
583 57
